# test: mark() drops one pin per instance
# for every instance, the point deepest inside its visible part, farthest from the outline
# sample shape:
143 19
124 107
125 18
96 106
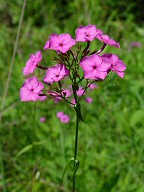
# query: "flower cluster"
81 67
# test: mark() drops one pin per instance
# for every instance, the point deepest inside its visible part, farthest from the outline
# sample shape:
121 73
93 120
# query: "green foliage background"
111 142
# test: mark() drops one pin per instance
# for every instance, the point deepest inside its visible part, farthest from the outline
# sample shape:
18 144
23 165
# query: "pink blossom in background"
73 102
107 40
66 93
135 44
87 33
42 98
88 99
63 117
93 86
61 43
117 65
80 91
56 73
94 67
32 63
42 119
60 114
31 89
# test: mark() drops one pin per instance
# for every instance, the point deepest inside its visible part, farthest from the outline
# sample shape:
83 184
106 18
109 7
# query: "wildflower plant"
79 66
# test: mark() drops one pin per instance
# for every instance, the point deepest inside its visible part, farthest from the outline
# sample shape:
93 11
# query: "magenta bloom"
32 63
42 98
56 73
88 99
31 89
93 86
135 44
66 93
87 33
117 65
42 119
63 117
107 40
94 67
80 91
61 43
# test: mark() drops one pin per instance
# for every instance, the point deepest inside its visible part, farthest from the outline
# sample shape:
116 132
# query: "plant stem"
76 147
2 170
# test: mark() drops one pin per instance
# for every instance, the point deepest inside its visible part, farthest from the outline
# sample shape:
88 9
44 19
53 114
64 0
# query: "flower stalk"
76 146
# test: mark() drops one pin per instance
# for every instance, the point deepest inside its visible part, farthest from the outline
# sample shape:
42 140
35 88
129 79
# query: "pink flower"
61 43
32 63
93 86
60 114
135 44
117 65
42 98
56 73
94 67
107 40
87 33
63 117
73 102
42 119
80 91
66 93
88 99
31 89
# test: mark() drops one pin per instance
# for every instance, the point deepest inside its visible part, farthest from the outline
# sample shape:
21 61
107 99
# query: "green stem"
2 170
76 146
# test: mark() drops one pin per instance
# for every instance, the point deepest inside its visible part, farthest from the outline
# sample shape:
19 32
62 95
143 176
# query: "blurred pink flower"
61 43
135 44
32 63
94 67
73 102
117 65
80 91
56 73
107 40
42 119
63 117
93 86
87 33
66 93
31 89
88 99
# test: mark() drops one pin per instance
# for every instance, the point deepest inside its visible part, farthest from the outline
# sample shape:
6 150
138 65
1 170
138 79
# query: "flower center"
60 44
94 67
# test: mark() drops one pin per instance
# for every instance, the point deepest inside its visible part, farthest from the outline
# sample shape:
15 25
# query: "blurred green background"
111 142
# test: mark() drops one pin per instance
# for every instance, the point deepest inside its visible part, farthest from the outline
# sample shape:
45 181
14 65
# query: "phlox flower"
107 40
92 86
117 65
94 67
32 63
61 43
31 89
135 44
42 119
56 73
87 33
73 102
63 117
42 98
80 92
88 99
